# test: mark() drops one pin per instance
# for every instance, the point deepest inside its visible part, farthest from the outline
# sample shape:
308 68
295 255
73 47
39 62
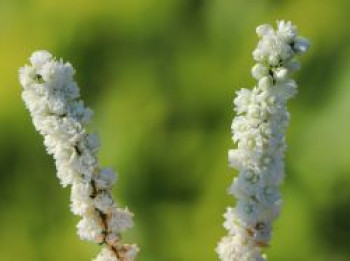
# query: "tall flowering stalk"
259 131
52 97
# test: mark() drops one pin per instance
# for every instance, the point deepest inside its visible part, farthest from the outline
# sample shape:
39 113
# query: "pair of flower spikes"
52 96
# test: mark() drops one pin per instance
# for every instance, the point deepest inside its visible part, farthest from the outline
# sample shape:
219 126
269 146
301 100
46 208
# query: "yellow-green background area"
160 76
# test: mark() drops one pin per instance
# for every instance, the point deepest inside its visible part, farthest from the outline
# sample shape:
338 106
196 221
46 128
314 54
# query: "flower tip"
40 57
263 29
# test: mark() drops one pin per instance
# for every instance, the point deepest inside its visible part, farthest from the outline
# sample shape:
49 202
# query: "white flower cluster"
52 97
259 131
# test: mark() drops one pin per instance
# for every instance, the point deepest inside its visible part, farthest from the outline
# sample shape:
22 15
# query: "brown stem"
119 251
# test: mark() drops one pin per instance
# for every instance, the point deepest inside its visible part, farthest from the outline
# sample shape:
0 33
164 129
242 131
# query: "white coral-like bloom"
259 131
52 97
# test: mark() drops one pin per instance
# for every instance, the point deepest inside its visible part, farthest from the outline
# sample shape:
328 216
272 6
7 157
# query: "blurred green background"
160 76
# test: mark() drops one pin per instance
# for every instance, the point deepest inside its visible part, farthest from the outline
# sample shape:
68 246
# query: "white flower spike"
52 97
259 131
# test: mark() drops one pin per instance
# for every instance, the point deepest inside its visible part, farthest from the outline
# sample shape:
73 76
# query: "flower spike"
259 132
53 100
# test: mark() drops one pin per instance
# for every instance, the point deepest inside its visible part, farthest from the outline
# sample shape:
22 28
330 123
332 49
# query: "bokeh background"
160 76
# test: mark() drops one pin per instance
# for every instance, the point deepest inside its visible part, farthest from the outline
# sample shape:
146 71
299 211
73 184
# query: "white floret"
106 255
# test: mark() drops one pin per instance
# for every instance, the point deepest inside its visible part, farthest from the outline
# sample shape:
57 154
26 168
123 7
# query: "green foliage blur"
160 76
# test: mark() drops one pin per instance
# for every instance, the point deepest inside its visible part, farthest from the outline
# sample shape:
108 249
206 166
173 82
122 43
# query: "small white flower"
104 202
121 219
280 74
81 202
259 71
27 76
106 178
286 31
263 30
106 255
89 228
242 100
265 83
39 58
237 248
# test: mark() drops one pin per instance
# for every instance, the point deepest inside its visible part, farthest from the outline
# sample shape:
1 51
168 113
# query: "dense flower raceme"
52 97
259 131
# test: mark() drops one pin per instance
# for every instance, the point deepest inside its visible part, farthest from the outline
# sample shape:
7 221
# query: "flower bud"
259 71
265 83
281 74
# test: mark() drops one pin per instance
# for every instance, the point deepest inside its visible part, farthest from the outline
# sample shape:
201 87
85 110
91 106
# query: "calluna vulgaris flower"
259 131
52 97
